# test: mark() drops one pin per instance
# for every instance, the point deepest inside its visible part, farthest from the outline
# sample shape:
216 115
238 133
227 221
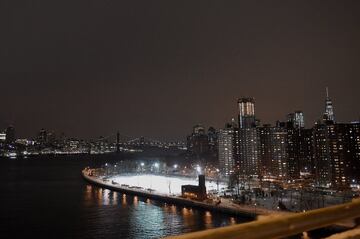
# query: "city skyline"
179 119
327 101
143 68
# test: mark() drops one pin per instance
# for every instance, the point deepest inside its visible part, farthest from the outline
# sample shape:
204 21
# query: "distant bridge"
125 140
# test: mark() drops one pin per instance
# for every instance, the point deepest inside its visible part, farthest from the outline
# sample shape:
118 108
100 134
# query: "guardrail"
279 226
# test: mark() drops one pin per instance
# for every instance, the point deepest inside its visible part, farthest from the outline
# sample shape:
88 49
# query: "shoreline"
224 207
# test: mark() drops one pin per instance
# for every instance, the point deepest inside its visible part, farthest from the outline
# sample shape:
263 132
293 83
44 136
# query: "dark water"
45 197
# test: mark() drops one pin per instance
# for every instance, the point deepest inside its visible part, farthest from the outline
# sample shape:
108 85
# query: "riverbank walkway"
225 206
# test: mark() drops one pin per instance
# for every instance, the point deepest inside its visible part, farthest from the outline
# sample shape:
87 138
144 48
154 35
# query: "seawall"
248 213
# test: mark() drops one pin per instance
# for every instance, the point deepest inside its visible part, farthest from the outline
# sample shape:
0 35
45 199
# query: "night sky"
156 68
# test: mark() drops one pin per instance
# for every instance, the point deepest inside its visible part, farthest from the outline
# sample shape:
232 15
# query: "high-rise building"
300 151
42 137
2 137
353 137
246 112
198 129
286 150
266 157
227 149
51 138
198 143
293 148
337 154
322 154
248 159
212 139
296 119
306 157
299 145
118 142
273 151
10 134
329 109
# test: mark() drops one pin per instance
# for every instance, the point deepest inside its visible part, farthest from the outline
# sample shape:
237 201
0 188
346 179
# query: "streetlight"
198 169
142 167
106 169
175 166
156 166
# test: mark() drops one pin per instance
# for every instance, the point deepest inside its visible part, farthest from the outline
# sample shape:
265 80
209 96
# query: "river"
46 197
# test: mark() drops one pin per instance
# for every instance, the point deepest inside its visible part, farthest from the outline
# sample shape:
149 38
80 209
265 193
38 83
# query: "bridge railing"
280 226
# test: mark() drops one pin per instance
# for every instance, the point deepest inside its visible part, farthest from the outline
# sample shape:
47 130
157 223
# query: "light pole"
217 180
156 165
142 167
106 169
198 169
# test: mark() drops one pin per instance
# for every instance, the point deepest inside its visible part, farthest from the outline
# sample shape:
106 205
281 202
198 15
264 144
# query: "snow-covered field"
162 184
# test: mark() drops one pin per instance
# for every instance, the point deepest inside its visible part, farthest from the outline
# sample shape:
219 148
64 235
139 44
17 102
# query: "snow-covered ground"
162 184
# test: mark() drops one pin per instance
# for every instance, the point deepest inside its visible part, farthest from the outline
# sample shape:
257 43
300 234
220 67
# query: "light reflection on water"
48 198
138 217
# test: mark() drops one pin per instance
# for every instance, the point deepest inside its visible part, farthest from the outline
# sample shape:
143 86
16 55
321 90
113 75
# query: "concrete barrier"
283 226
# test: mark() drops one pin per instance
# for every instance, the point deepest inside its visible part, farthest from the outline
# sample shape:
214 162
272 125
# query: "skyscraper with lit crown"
246 112
248 160
329 109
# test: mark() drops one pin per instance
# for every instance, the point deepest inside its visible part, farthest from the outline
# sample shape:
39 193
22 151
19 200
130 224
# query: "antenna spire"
327 92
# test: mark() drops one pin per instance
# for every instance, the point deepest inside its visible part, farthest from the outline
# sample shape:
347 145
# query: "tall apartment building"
227 149
248 160
273 151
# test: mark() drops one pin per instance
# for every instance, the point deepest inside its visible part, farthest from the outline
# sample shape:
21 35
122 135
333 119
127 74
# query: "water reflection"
127 216
232 221
136 201
123 200
94 195
208 220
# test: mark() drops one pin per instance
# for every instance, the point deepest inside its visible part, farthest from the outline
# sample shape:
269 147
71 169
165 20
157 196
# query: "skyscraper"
299 149
10 134
2 136
227 147
273 151
42 137
198 143
212 139
248 159
337 154
246 112
296 119
198 129
329 109
118 142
